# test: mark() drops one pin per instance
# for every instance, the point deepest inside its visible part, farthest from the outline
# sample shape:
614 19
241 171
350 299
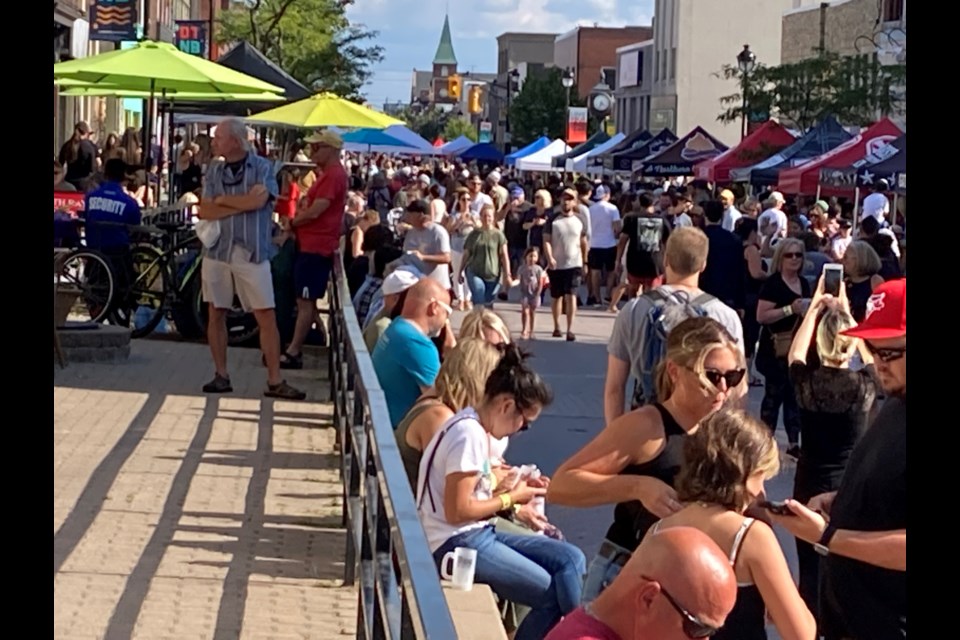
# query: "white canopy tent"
541 160
579 164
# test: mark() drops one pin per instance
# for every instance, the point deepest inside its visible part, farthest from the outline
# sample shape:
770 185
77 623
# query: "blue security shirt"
405 360
109 203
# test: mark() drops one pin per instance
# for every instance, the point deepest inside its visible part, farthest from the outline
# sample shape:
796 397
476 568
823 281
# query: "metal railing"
399 592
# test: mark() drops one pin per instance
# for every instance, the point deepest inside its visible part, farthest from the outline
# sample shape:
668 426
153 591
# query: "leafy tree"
428 123
854 89
540 108
312 40
457 127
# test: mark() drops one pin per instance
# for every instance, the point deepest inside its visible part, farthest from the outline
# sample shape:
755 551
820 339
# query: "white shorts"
252 282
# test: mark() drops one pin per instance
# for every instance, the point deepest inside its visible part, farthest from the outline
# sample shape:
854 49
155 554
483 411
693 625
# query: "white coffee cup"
464 567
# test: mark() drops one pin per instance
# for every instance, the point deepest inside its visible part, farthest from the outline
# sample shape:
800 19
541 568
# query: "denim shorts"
603 569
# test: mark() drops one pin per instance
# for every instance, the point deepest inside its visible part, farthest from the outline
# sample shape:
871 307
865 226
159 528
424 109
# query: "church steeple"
445 54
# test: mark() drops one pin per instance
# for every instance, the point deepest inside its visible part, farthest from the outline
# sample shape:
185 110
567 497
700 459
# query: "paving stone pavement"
183 515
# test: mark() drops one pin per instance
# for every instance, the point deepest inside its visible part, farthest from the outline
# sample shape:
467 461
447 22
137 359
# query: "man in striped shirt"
239 191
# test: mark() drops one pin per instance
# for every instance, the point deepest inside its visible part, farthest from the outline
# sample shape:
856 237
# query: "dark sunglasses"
793 255
732 377
692 626
886 355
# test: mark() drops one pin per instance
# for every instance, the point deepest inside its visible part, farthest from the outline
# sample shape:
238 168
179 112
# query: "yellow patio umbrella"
324 110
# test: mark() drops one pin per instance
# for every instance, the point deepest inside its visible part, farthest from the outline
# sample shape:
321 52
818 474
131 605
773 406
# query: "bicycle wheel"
88 275
142 305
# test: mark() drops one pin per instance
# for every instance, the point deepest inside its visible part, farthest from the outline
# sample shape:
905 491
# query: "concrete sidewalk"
181 515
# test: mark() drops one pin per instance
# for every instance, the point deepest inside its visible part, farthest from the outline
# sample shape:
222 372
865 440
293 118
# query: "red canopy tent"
765 141
805 178
438 142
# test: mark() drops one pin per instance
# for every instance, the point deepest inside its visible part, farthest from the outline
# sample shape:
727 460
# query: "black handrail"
400 594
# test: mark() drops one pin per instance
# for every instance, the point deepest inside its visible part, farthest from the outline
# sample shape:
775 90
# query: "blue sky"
410 30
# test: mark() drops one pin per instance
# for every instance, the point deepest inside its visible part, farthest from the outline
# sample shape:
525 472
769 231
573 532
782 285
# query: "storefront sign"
113 20
191 37
576 125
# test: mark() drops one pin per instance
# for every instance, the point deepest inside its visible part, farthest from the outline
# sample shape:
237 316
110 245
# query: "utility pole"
823 27
147 124
210 45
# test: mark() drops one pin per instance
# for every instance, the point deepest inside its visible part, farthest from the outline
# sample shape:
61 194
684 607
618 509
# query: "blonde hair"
479 319
782 247
464 372
688 345
545 196
371 216
867 259
727 448
686 251
831 345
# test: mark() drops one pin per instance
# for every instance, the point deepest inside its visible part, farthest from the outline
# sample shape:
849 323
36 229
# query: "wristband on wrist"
787 311
506 501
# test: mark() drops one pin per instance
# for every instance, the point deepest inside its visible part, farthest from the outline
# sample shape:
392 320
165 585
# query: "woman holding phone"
834 403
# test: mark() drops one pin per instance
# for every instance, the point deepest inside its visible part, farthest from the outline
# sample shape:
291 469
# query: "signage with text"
576 125
113 20
191 37
68 201
486 132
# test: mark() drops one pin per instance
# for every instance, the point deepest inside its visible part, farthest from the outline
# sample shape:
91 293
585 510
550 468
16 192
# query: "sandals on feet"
284 391
288 361
219 384
557 334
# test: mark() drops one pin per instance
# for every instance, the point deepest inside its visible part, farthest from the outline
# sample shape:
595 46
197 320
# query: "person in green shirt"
486 260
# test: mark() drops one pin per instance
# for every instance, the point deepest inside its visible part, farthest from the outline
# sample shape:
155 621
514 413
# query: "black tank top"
631 519
858 293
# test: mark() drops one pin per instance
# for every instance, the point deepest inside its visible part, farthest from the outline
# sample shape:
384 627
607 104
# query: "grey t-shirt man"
565 233
629 329
431 240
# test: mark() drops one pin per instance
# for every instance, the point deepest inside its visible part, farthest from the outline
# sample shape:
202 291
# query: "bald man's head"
427 305
682 562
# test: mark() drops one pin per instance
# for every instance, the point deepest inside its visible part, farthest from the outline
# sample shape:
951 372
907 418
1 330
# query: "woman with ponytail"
633 462
79 156
456 500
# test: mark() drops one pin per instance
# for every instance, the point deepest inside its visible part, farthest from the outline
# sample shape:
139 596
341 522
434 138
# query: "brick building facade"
591 52
846 25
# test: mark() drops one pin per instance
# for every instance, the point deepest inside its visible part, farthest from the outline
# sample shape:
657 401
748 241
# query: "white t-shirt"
583 212
777 220
565 233
462 446
478 202
602 217
730 216
876 205
839 245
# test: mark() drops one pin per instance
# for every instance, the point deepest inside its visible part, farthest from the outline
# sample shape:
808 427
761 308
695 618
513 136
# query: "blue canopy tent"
827 135
375 141
581 163
533 147
484 152
410 138
455 147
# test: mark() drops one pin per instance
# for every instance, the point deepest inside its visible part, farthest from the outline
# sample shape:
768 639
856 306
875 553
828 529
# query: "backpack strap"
426 475
702 299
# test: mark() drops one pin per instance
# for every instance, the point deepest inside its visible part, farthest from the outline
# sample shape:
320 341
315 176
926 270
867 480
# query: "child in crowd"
532 280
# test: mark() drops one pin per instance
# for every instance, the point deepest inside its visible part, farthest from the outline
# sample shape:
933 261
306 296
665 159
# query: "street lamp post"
508 140
746 60
567 80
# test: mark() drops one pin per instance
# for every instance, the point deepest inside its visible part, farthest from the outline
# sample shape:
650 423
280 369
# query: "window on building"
893 10
609 76
656 66
663 62
673 63
444 72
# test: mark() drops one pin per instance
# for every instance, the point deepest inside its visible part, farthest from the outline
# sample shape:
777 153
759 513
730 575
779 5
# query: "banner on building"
113 20
191 37
486 132
576 125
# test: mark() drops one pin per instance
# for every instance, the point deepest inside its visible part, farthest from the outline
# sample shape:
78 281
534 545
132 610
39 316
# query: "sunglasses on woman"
713 376
796 254
692 625
886 354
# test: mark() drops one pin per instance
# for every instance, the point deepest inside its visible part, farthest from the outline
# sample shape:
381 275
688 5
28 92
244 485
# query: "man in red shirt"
677 585
317 227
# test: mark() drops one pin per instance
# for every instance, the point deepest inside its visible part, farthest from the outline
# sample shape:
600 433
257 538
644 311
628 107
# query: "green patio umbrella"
87 91
159 68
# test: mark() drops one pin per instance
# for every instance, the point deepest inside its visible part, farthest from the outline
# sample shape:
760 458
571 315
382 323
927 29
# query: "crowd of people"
704 291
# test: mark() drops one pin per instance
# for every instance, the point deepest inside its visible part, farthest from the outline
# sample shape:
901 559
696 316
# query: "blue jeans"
482 291
537 571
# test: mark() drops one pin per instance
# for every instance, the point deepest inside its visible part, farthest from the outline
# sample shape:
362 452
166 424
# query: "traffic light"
453 87
476 93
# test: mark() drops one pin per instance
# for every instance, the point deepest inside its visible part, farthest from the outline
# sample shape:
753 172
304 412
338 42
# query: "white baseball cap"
399 281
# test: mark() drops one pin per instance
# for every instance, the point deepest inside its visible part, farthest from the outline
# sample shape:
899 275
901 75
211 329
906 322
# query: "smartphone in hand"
775 507
832 277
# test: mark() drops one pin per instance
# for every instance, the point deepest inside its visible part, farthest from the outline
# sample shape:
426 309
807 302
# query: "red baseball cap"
886 313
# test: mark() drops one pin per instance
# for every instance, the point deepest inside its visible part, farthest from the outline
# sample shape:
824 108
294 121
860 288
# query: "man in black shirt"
643 237
861 529
79 156
724 276
512 216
